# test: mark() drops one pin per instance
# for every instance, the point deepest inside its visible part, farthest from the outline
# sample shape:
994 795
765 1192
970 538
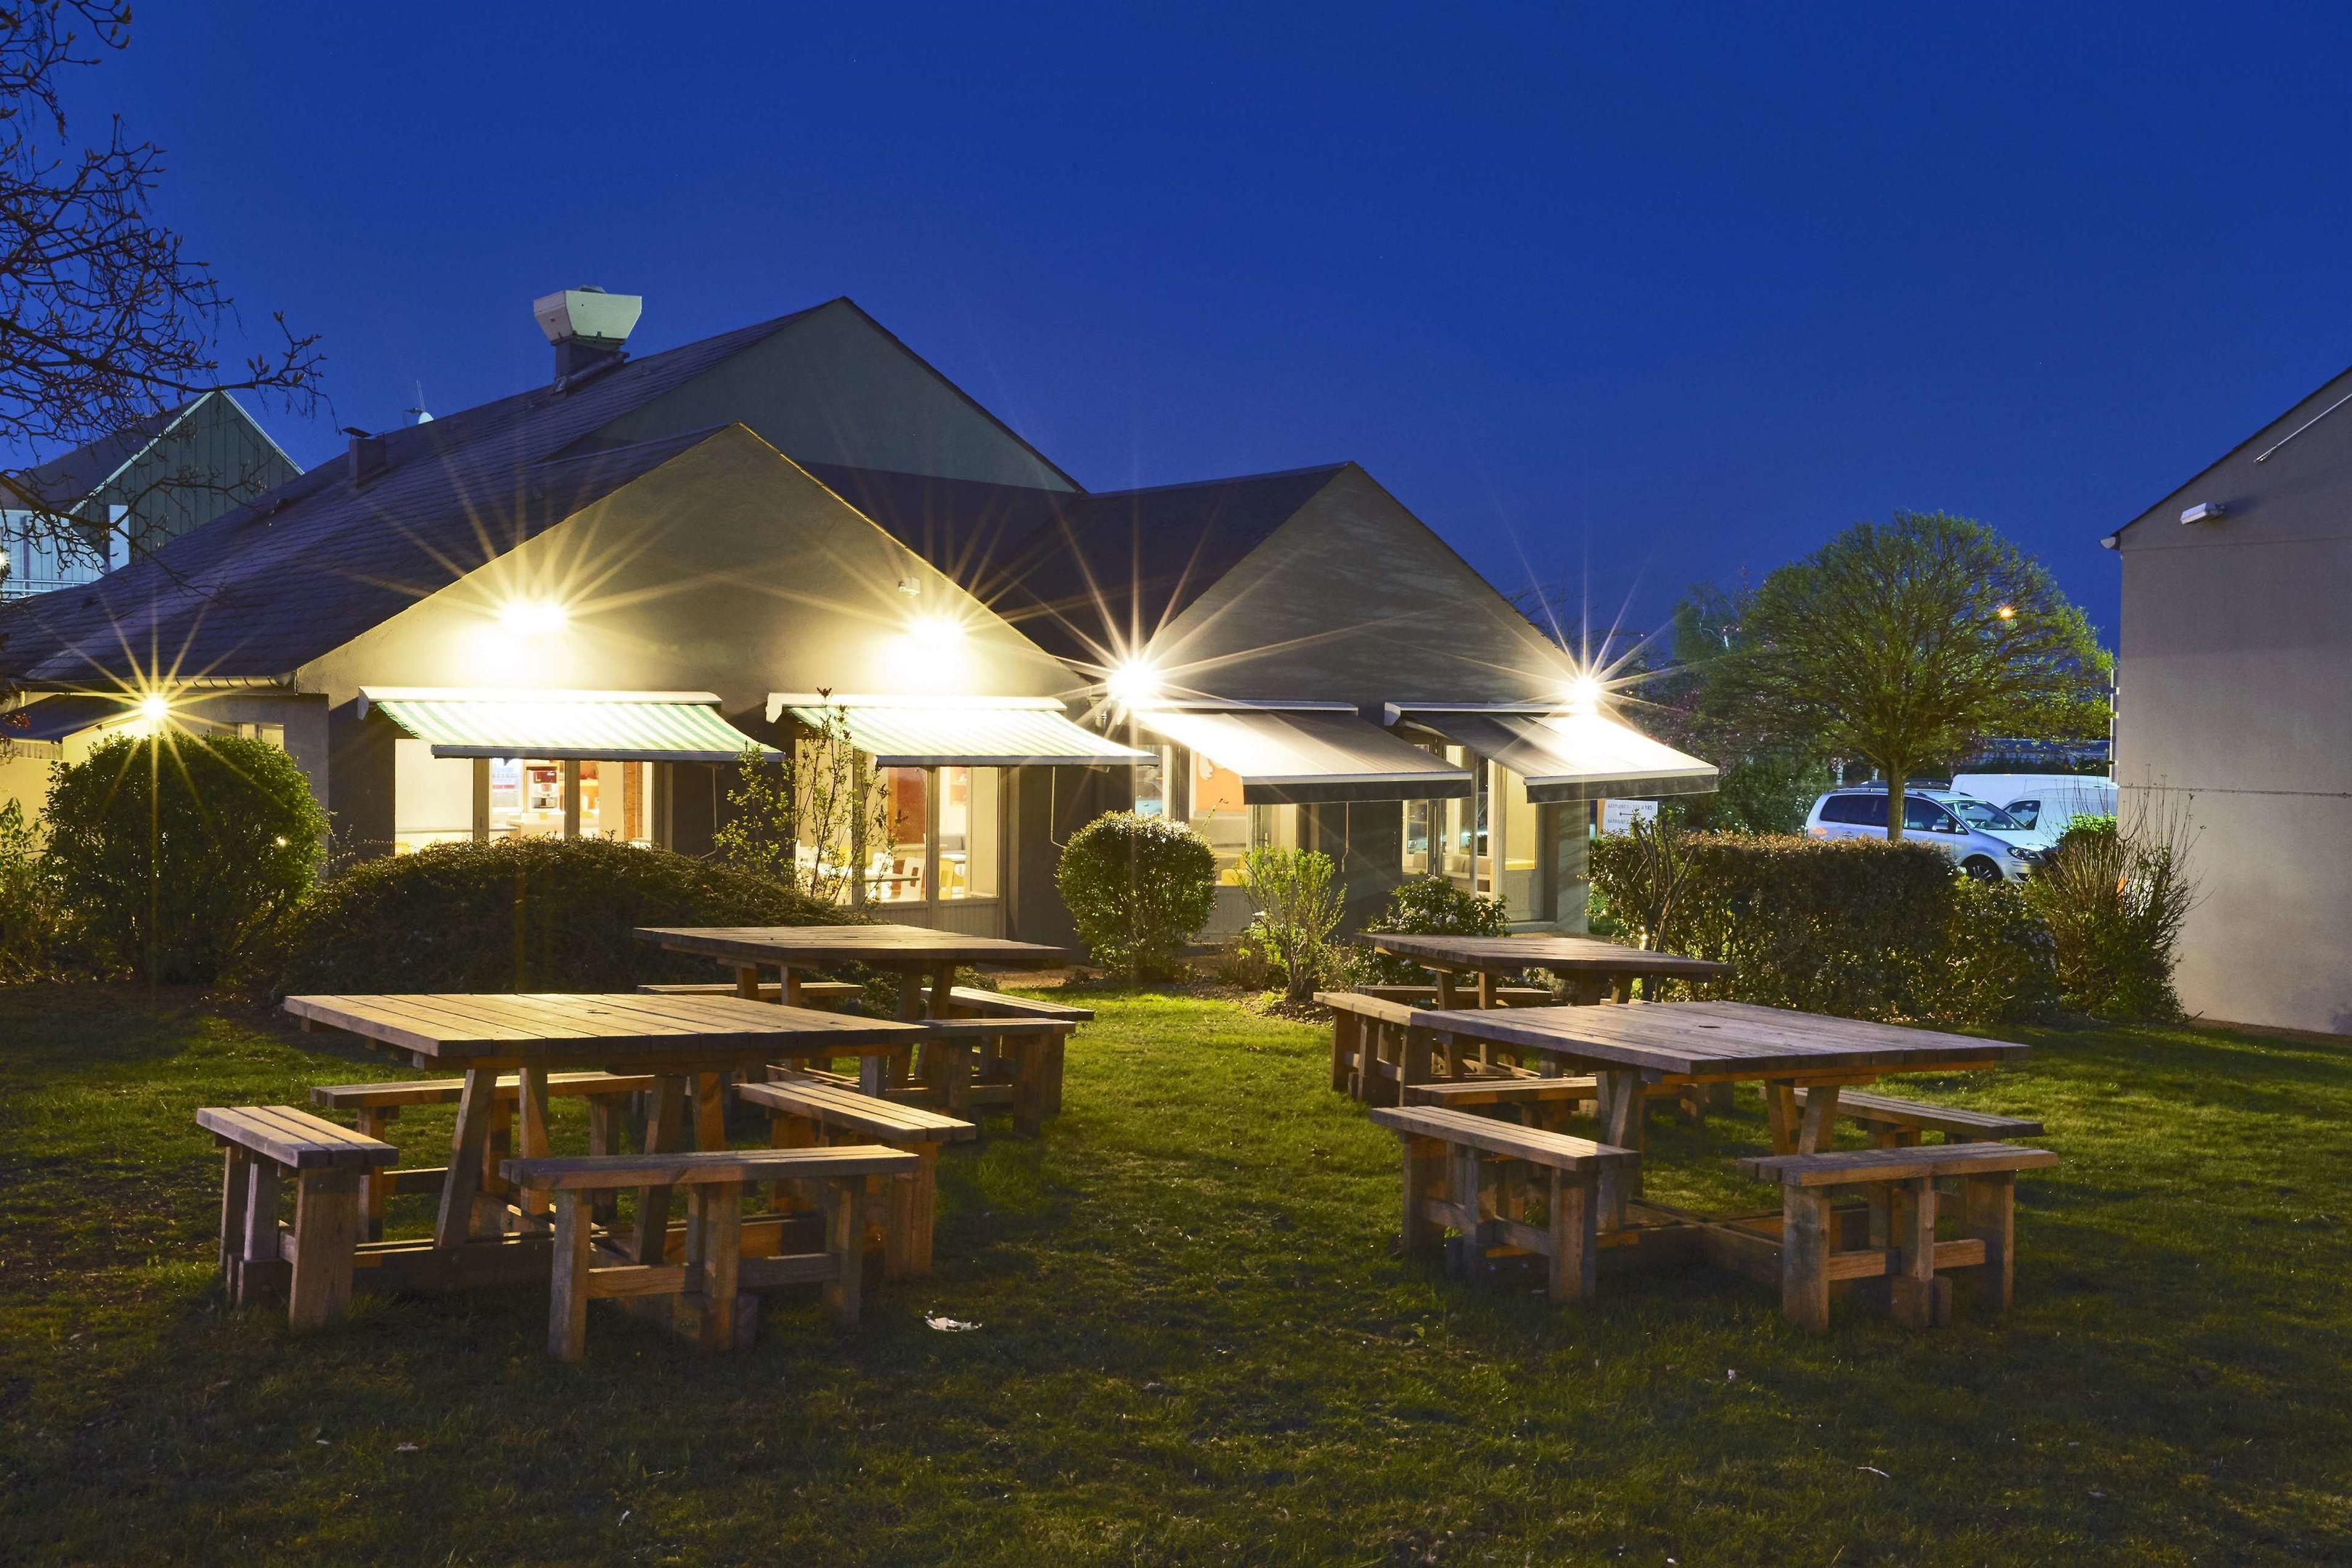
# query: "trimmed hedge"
1858 928
519 914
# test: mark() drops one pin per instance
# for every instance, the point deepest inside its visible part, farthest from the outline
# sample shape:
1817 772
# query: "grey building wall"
834 387
2236 659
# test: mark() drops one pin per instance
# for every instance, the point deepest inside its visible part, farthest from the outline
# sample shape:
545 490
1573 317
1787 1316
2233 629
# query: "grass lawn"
1195 1346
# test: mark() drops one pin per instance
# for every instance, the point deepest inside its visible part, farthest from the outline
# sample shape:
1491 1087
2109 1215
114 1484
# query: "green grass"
1195 1346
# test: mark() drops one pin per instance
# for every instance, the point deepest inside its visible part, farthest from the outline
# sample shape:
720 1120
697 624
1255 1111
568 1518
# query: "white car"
2045 803
1982 840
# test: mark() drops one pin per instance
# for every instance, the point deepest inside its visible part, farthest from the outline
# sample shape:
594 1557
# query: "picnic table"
914 953
1628 1049
688 1044
1587 968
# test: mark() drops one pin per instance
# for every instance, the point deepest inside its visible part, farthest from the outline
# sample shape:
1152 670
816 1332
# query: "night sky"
1625 296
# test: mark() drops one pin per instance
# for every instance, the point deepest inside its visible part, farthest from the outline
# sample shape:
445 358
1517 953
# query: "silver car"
1982 840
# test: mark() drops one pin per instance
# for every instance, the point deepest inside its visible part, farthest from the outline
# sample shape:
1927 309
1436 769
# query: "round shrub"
1139 889
223 845
517 914
1430 906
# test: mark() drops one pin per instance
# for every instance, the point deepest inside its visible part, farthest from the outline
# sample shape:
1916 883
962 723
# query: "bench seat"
261 1145
814 992
809 1109
705 1286
996 1004
1475 1175
1900 1184
1912 1117
1426 995
404 1093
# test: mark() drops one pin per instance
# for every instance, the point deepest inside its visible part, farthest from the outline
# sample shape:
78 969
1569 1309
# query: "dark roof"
1080 573
302 570
67 482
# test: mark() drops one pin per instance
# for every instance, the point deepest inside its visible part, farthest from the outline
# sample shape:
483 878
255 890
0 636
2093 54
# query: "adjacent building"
2231 706
570 611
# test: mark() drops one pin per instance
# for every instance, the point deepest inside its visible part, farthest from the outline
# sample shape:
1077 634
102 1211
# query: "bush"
518 914
1139 889
1856 927
1297 895
1430 906
32 911
233 843
2113 896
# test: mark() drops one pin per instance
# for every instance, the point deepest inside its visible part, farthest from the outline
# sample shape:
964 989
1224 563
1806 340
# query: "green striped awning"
565 726
962 733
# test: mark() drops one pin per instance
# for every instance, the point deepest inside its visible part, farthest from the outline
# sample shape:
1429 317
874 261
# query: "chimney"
368 455
587 327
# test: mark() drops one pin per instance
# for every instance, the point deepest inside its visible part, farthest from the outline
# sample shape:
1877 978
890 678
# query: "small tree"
177 853
1298 898
803 817
1139 889
1908 644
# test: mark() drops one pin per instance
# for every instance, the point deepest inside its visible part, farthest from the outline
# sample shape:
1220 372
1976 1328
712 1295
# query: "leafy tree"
109 321
1767 781
1912 642
1297 895
805 816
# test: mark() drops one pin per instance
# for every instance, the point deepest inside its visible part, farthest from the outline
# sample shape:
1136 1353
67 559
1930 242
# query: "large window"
1217 813
432 797
969 850
943 835
894 869
435 799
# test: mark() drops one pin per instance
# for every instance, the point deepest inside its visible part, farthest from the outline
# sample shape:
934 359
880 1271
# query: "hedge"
1858 928
517 914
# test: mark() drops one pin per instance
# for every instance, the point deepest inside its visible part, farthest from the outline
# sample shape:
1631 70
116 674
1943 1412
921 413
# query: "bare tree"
105 322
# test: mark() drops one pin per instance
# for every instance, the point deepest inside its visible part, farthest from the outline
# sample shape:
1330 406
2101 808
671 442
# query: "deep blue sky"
1645 293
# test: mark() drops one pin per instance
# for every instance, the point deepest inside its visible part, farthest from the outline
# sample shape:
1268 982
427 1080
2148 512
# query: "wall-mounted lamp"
1583 695
2204 512
533 618
1132 684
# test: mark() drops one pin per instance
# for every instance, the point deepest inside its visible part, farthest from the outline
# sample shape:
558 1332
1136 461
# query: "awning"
1568 757
958 732
565 726
1310 754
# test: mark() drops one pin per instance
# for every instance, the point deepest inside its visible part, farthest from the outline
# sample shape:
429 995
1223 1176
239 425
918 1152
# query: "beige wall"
832 387
1355 599
2232 699
26 780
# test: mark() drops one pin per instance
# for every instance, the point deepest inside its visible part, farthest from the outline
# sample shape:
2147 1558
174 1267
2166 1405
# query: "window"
1927 816
615 801
1518 879
944 838
432 797
968 836
1860 810
1417 815
2025 811
526 798
1217 813
274 735
1155 780
894 870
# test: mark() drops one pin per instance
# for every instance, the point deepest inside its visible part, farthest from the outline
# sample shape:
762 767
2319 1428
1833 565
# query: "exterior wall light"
1132 684
937 634
1584 695
533 618
153 711
2206 510
2007 612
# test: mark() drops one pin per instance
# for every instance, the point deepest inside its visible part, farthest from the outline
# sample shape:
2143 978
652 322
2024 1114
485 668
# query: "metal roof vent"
587 326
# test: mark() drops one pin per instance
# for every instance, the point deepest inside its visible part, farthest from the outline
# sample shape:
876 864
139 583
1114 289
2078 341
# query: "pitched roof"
302 570
1084 574
66 480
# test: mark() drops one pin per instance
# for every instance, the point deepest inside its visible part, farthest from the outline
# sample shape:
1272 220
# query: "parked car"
2045 803
1982 840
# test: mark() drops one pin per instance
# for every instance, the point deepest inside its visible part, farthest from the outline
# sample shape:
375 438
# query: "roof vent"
587 326
369 456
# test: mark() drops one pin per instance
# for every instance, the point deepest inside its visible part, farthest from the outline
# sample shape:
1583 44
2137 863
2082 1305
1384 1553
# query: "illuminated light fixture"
911 587
1132 684
154 709
1584 695
939 634
2007 612
533 618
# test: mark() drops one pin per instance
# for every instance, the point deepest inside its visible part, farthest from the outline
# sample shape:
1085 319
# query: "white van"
2045 803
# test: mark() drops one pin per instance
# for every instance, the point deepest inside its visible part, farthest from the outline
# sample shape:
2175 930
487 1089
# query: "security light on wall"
2204 512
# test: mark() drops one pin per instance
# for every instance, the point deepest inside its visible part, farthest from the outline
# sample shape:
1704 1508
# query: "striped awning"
1310 754
959 732
1568 757
565 726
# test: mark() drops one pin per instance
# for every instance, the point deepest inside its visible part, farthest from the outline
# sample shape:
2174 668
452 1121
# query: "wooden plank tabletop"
593 1028
1559 954
1717 1039
876 944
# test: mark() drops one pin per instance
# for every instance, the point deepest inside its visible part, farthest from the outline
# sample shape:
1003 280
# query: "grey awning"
1569 756
958 731
1308 756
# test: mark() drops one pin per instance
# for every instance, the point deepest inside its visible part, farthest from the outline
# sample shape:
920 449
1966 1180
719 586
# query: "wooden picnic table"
1630 1048
1587 968
682 1041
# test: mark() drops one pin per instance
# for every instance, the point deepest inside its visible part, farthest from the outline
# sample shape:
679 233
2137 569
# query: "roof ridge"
1228 479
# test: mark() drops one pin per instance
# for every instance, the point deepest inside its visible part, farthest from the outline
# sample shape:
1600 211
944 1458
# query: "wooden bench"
1544 1103
993 1072
375 1105
313 1261
808 1111
813 993
706 1285
969 1063
1902 1183
1473 1174
1426 995
1898 1123
972 1001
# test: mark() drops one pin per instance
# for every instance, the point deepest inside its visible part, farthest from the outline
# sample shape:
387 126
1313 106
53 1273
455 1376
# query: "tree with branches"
106 324
1911 643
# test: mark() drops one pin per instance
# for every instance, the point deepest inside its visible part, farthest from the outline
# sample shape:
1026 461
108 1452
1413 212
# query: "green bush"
1139 889
517 914
2113 896
32 911
1430 906
1860 928
1297 896
232 841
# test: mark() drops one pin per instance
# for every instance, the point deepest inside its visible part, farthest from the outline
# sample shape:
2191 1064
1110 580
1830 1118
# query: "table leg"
1449 996
1780 1114
477 1105
746 980
1487 982
1820 1124
791 993
1621 1106
530 1131
711 1110
665 1130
